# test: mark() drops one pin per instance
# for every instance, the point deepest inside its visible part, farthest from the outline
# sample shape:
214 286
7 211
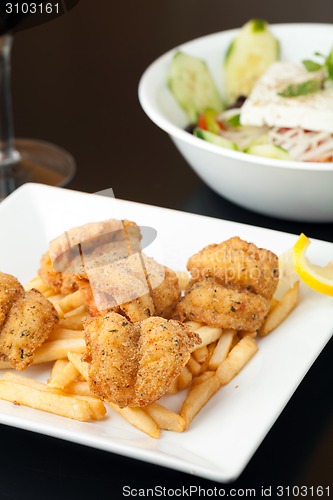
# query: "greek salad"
272 108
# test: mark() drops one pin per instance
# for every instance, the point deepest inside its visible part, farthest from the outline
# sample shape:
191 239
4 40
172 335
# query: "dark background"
75 84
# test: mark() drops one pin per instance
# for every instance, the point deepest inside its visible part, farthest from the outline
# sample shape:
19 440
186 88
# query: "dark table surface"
75 84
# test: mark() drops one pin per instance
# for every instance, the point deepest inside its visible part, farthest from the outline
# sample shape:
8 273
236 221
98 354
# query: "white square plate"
227 432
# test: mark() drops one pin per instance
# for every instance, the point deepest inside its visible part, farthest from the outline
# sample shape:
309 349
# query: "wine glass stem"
8 155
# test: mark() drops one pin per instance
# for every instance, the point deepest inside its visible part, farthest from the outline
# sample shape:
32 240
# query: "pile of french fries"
213 364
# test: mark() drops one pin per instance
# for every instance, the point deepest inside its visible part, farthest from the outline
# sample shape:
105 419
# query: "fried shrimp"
10 290
164 348
232 284
210 302
238 263
112 356
137 287
104 261
166 294
84 247
96 239
28 324
134 364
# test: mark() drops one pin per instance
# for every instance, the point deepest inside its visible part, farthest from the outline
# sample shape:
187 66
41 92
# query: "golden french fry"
211 348
208 334
73 322
65 333
80 365
201 378
139 419
96 405
235 340
205 363
201 354
31 284
79 389
198 396
165 418
55 302
52 402
184 378
71 301
56 298
16 378
194 366
222 349
76 312
52 351
64 377
173 387
38 284
237 358
245 333
58 365
193 325
281 310
273 302
183 279
59 311
58 349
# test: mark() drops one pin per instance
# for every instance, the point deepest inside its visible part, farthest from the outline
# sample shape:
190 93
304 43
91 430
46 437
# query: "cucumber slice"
269 151
261 140
247 58
192 85
214 139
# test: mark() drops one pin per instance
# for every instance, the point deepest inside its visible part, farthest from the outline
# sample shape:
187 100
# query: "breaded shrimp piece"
239 263
138 309
164 348
137 287
10 291
134 364
104 260
98 238
99 301
28 325
112 356
209 302
119 286
166 295
160 282
89 246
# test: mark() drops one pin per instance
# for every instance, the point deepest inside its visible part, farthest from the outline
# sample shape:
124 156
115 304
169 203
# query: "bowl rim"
146 99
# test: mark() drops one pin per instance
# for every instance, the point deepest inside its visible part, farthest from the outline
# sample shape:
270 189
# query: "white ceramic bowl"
286 189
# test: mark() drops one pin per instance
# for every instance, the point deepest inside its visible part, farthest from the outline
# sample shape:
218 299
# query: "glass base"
39 161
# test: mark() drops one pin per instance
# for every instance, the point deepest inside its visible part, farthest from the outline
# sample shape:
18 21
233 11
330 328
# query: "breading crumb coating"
134 364
164 348
210 302
238 263
10 290
29 322
112 355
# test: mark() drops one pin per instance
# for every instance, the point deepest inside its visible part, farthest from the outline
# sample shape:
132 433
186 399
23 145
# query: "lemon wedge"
287 274
316 277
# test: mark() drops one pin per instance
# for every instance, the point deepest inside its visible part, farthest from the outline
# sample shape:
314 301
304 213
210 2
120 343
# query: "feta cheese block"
265 106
